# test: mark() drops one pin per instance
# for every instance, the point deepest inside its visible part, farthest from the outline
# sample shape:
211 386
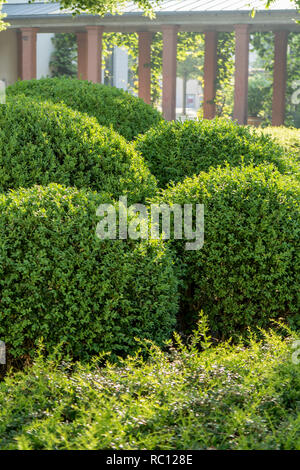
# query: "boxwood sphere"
128 115
42 143
175 150
248 270
60 282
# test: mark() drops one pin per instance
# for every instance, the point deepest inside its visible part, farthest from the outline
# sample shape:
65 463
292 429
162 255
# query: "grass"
224 397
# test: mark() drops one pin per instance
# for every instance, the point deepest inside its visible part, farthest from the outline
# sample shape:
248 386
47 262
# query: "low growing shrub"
248 270
175 150
42 143
128 115
60 282
224 398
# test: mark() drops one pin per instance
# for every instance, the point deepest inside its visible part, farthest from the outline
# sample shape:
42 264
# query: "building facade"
25 48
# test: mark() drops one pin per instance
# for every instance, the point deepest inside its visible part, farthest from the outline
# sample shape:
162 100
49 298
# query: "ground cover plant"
127 115
186 397
42 142
175 150
248 270
60 282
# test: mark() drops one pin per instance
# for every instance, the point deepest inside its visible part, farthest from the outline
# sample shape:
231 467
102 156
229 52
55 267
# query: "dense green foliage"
41 143
221 398
174 150
128 115
248 270
61 282
257 92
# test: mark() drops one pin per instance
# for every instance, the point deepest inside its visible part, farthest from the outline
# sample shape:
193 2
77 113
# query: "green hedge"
175 150
41 143
128 115
248 270
60 282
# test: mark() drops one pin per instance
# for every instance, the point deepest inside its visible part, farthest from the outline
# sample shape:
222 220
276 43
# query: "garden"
132 344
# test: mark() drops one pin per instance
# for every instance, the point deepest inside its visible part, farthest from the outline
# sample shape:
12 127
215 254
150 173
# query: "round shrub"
175 150
248 270
128 115
61 282
42 143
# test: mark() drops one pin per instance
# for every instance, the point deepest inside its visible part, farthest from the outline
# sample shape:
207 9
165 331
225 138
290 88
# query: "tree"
63 58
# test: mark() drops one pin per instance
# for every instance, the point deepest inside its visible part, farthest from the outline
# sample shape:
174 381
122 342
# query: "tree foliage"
190 47
263 44
3 25
296 3
102 7
63 58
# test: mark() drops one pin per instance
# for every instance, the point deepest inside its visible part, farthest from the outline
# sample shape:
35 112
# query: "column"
27 53
81 55
169 71
145 39
210 74
279 80
94 53
241 74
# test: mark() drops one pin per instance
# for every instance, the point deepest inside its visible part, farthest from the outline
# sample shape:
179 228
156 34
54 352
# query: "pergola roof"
189 15
215 5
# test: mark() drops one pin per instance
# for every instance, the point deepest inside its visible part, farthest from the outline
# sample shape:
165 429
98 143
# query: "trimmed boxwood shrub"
60 282
42 143
248 270
175 150
128 115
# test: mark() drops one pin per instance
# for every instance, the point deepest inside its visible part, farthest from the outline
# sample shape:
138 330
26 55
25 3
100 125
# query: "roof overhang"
52 20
